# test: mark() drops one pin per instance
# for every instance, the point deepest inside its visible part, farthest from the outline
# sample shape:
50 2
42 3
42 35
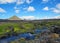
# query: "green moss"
25 26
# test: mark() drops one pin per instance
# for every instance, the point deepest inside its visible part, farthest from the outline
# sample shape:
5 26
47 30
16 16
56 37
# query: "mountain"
14 18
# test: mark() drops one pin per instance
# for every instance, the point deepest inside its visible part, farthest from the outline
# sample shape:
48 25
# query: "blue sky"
30 9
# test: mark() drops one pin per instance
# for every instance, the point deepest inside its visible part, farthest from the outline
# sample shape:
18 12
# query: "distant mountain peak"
14 18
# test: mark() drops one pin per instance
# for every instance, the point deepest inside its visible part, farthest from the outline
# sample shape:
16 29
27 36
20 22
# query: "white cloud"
45 1
30 8
10 1
46 8
17 11
28 17
57 17
15 7
29 1
58 6
56 10
52 17
2 10
7 1
45 17
23 1
20 2
35 18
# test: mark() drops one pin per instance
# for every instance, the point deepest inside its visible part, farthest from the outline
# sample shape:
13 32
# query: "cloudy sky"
30 9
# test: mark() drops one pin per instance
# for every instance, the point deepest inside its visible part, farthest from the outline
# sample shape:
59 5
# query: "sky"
30 9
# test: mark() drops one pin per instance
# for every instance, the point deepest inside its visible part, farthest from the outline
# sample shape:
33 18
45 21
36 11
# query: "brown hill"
14 18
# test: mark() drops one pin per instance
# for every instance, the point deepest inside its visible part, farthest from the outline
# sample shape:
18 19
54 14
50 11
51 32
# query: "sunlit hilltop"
14 18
